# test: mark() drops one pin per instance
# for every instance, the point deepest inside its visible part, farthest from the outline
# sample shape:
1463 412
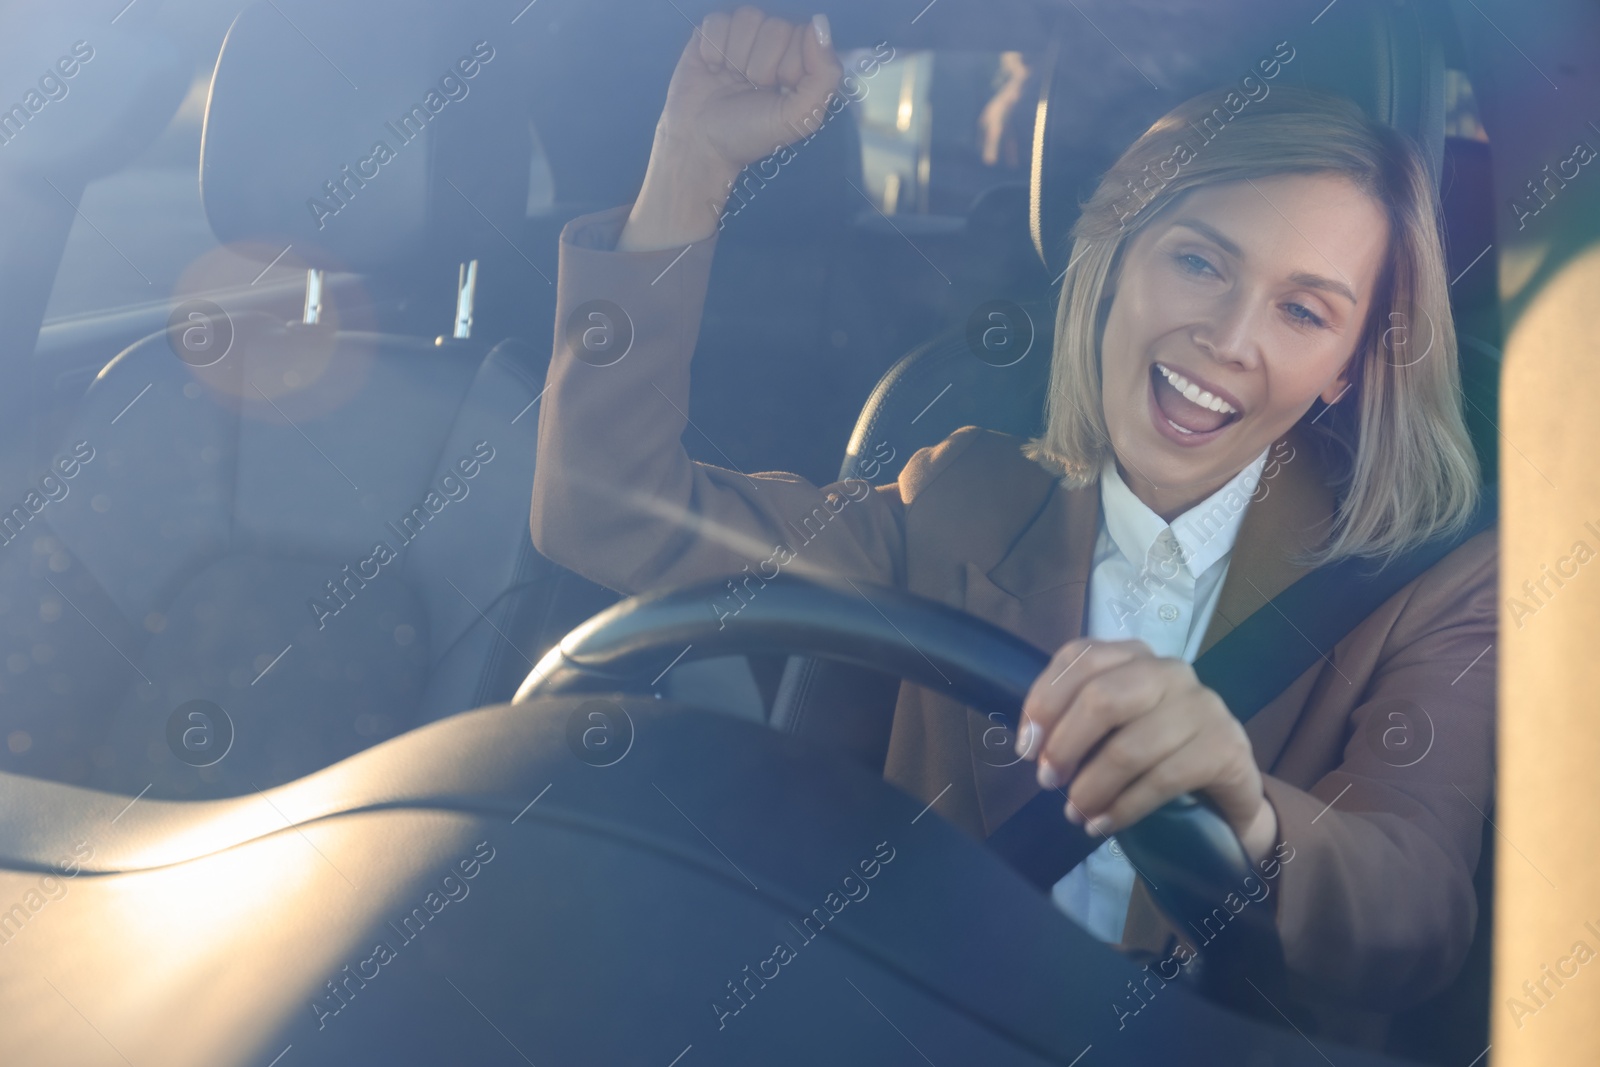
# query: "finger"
1073 665
1109 701
742 31
1187 769
793 64
713 37
1128 756
1053 691
771 40
806 107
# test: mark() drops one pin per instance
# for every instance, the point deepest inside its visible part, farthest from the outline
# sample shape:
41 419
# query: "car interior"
279 650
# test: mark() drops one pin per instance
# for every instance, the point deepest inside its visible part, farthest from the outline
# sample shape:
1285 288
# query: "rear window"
939 128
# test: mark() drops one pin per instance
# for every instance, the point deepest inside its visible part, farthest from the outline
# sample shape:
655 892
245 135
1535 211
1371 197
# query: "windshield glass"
1080 425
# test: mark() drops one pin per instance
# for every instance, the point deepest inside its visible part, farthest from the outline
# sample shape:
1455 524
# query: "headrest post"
313 313
466 285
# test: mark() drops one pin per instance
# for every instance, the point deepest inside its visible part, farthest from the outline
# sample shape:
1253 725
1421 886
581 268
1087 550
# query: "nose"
1228 330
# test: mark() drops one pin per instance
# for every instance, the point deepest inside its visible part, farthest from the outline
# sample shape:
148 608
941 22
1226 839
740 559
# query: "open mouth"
1184 410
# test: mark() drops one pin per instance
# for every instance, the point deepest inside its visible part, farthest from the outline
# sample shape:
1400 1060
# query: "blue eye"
1192 263
1302 314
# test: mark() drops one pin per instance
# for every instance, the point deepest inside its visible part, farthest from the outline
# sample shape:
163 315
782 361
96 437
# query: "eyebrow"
1310 281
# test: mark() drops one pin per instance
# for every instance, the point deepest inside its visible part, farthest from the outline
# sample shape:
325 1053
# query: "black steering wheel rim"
1188 855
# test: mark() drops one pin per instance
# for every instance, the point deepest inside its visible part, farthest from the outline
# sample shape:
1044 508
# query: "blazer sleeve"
616 496
1375 898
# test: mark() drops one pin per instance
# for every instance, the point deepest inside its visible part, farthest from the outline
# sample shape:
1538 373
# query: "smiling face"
1232 312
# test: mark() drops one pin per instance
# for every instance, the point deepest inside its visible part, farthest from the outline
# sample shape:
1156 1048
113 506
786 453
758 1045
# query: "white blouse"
1165 599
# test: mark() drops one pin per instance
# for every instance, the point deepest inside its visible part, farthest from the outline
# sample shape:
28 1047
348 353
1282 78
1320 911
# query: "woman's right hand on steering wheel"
746 85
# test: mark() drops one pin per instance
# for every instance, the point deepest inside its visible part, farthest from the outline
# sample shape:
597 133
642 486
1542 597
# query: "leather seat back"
327 577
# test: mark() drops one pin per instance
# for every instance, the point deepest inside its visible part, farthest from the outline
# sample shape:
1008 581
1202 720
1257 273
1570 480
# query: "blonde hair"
1395 447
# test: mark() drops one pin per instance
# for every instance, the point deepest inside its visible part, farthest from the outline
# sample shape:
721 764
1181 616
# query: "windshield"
1082 422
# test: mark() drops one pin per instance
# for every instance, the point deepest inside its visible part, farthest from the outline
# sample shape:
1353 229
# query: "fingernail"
1099 825
1027 737
819 25
1074 814
1048 778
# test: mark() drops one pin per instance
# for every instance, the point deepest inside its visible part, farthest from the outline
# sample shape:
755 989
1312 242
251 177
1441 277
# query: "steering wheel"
1190 858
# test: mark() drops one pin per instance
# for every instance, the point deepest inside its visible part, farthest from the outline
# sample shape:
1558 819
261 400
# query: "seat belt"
1256 661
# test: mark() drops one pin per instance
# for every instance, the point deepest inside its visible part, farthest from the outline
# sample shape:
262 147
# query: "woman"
1225 324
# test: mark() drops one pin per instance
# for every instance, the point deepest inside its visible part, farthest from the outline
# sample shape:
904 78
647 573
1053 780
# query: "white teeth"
1194 394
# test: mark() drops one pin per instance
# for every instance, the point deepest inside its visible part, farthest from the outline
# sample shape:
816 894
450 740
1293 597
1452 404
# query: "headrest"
365 142
1380 55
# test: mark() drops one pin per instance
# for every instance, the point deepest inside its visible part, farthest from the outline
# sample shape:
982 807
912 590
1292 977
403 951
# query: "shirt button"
1168 612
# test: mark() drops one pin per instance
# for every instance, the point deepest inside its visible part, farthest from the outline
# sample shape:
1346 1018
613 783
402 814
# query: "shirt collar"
1204 534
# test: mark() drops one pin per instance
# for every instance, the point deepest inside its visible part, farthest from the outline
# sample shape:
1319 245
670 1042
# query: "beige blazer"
1378 759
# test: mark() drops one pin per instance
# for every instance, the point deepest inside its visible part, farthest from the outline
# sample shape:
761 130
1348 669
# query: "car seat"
316 530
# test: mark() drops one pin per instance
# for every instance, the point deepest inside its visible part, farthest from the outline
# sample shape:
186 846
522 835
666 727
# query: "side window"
939 128
136 230
541 183
1461 108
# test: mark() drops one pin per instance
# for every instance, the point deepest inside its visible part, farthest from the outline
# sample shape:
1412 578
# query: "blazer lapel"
1037 592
